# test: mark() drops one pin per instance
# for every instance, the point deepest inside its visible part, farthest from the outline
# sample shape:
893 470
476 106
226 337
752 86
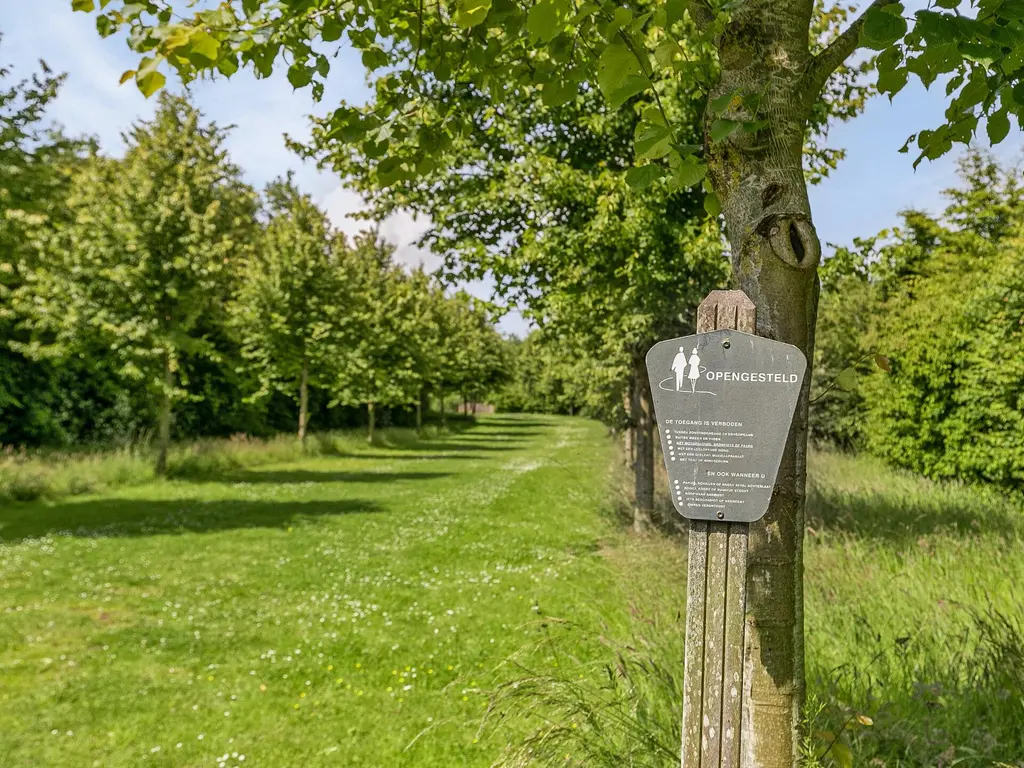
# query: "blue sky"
863 196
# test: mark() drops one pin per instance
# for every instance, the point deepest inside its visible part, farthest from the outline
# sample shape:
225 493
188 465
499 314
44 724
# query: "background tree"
293 308
378 368
36 164
148 242
931 378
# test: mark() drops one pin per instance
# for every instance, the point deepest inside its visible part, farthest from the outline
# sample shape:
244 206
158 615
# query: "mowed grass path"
343 611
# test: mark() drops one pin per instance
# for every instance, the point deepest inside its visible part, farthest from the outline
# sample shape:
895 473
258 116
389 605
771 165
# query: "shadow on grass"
900 517
514 423
441 445
142 517
415 457
290 477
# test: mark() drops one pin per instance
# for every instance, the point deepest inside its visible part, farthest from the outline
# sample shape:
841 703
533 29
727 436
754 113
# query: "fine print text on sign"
724 403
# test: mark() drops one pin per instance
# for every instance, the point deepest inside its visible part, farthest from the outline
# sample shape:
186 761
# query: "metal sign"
724 402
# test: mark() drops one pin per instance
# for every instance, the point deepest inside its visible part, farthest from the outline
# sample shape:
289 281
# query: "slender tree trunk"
304 401
643 467
628 433
371 411
419 413
164 425
440 402
759 180
465 404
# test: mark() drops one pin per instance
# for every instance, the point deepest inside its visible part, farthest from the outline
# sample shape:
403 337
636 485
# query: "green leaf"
641 177
126 76
203 46
722 129
228 65
469 13
652 114
105 26
665 53
884 363
847 381
1018 93
842 755
651 141
374 58
300 75
712 205
675 10
150 83
688 173
88 6
981 54
998 126
892 81
883 26
331 30
722 103
619 75
542 20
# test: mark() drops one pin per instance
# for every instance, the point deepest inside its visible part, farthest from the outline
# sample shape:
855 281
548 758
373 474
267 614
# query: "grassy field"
361 609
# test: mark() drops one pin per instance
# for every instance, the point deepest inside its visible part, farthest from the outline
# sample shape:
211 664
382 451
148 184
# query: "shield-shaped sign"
724 403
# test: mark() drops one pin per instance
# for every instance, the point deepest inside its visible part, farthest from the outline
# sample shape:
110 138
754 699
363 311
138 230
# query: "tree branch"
839 50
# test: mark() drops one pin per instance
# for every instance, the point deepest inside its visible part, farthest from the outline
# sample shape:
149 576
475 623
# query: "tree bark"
164 425
642 406
440 402
371 412
303 401
759 180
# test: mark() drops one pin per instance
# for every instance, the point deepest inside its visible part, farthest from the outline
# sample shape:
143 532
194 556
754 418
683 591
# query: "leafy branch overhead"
564 49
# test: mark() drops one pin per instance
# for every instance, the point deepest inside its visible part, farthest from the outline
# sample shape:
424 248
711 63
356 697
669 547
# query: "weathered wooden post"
724 404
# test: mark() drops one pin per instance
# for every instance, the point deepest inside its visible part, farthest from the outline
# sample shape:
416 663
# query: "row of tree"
158 284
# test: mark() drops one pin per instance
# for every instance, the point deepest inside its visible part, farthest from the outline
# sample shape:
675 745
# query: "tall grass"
915 623
54 474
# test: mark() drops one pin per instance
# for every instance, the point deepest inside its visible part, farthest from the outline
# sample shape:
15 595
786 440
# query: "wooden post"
716 601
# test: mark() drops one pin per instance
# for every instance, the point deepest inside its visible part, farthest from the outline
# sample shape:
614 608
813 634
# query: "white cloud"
401 229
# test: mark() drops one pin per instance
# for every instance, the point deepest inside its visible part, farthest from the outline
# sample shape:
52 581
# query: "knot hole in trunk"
792 239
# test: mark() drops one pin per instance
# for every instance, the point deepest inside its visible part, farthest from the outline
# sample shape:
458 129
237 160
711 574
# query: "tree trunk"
163 439
303 401
628 434
440 402
759 180
372 414
419 413
643 467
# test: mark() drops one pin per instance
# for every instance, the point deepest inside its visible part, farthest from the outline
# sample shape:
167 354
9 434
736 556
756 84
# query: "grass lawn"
356 610
323 612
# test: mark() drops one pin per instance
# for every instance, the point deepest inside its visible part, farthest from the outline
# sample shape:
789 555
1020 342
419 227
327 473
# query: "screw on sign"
724 401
